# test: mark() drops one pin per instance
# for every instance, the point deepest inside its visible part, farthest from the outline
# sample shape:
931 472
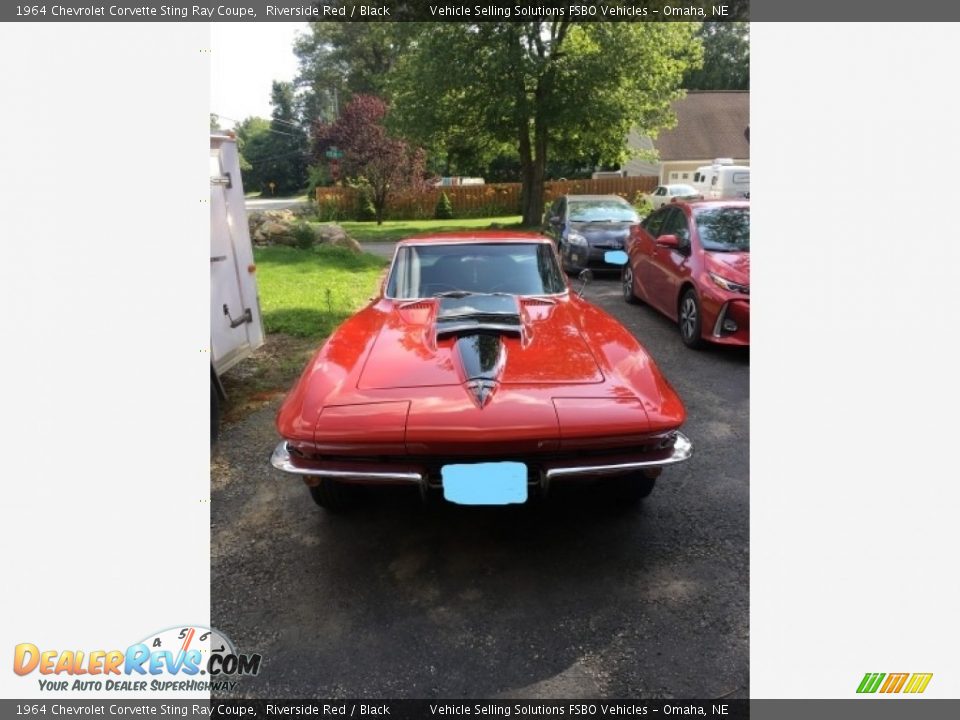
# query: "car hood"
545 346
733 266
603 235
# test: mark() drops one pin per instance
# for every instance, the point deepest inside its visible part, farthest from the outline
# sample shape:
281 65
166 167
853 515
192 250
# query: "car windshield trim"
604 220
532 270
586 211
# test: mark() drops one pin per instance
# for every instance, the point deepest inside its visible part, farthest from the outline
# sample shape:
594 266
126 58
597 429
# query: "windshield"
421 271
724 229
601 211
682 190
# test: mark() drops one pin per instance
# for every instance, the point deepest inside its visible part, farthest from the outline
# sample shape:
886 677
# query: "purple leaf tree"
370 155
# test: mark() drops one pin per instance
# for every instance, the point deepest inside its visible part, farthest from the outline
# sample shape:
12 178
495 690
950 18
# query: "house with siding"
710 124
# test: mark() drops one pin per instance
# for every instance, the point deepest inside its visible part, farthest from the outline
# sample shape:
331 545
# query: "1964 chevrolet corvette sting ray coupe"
478 372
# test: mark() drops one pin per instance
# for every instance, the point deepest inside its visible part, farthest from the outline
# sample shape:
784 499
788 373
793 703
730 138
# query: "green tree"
339 60
444 208
278 154
246 130
549 88
726 58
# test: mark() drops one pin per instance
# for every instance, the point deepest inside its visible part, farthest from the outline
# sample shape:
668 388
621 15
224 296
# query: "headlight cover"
575 238
729 285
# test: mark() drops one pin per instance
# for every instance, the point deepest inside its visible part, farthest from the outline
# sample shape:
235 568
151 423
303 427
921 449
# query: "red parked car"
691 261
479 373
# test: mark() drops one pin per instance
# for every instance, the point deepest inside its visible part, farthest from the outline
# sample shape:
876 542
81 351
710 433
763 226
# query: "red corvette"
691 261
478 372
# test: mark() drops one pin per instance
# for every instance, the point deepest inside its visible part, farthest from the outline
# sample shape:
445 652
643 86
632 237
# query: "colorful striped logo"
894 683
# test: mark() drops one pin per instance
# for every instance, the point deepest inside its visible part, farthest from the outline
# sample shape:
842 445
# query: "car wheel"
626 283
633 488
690 319
333 496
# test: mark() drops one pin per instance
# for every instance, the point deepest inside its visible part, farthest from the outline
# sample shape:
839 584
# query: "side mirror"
616 257
668 241
585 276
554 219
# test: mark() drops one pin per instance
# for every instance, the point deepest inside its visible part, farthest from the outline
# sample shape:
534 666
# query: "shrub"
317 176
444 209
304 235
641 203
365 208
328 208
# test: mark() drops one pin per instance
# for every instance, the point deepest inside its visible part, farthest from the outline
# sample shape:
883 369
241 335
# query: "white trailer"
723 180
236 329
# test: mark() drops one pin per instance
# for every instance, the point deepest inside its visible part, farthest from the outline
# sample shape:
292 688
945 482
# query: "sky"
246 59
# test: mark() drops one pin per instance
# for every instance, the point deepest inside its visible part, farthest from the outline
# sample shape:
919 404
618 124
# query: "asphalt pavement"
272 203
576 597
383 249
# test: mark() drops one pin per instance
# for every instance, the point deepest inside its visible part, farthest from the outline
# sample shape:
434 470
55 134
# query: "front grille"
532 459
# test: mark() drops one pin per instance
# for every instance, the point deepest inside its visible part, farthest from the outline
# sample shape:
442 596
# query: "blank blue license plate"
494 483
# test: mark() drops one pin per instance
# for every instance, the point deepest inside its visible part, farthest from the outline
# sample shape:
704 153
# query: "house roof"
710 124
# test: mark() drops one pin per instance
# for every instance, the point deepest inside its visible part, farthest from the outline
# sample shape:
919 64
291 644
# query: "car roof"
714 203
698 204
596 197
474 236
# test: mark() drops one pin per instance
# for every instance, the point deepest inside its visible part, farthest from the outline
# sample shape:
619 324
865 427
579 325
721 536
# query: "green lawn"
392 230
307 293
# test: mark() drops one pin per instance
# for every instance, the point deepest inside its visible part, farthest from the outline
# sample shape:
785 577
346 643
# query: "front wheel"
333 496
633 488
626 284
690 320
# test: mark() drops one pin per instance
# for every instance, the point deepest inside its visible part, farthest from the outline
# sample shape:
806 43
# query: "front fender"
627 363
335 367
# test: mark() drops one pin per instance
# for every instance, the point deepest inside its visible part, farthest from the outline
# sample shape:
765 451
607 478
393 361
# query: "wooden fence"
341 203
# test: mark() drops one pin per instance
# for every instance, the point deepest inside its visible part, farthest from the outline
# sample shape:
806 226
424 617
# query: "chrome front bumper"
345 471
415 474
682 450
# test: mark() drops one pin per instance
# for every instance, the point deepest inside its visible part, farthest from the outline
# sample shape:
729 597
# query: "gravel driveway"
572 598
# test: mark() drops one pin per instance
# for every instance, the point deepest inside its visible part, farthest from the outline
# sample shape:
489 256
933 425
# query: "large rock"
268 227
277 232
275 227
333 234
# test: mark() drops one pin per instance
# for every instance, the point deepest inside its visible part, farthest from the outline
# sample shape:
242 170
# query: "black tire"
333 496
432 500
626 286
214 414
689 320
633 488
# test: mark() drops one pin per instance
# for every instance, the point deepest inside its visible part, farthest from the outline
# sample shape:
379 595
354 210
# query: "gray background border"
754 10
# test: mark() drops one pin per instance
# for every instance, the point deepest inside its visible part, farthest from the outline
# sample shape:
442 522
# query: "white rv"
235 326
723 180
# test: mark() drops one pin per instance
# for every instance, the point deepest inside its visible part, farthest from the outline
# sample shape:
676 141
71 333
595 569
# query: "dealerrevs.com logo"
910 683
186 658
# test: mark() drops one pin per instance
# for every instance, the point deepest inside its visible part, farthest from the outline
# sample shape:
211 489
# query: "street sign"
334 153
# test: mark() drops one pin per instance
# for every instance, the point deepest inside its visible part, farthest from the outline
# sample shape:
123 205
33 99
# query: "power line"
274 157
285 122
